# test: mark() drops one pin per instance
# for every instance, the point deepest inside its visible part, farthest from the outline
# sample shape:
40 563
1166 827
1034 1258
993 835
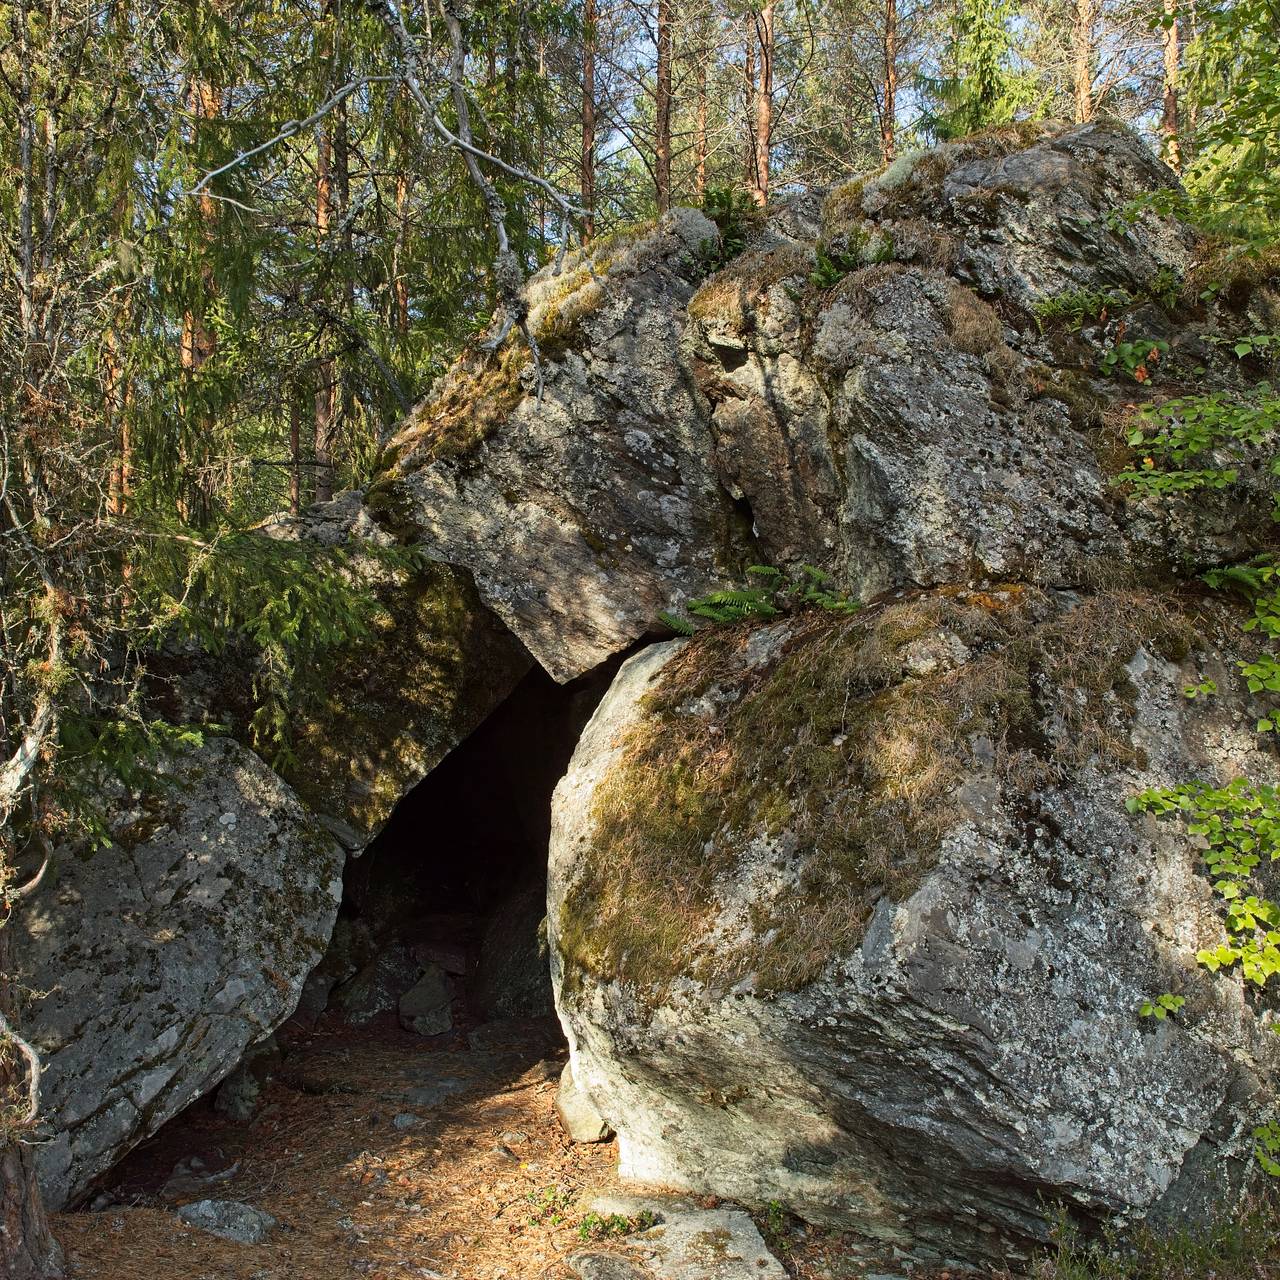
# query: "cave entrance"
442 920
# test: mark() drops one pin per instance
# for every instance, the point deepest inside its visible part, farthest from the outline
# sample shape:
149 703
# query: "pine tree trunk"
199 343
700 131
1082 56
28 1250
749 98
662 110
326 397
764 104
889 107
295 455
589 119
1169 114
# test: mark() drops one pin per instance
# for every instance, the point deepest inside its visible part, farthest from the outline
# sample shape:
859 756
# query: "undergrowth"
1242 1246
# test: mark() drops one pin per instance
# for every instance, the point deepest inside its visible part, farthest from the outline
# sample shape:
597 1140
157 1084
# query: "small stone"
604 1266
577 1113
229 1220
426 1007
404 1120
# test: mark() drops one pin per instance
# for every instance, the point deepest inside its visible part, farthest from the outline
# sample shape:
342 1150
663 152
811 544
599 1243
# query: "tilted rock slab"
930 1059
160 958
906 424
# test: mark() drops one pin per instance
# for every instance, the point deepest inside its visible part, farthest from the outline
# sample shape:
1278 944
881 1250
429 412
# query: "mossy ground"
835 751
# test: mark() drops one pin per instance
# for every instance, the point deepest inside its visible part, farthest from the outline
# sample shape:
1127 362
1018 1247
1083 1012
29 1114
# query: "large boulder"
848 913
877 388
157 959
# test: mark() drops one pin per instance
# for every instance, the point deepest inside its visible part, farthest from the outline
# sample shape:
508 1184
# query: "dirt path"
385 1156
483 1185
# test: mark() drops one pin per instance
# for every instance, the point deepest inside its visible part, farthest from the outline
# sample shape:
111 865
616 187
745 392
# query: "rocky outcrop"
877 389
850 914
160 957
388 709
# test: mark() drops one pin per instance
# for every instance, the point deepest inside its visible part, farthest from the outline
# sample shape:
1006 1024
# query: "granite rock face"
887 970
874 388
163 956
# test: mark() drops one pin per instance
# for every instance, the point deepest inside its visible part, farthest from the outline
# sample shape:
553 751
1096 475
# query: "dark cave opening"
451 894
438 943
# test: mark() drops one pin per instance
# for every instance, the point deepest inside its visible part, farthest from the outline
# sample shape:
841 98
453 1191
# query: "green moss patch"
845 752
391 706
471 402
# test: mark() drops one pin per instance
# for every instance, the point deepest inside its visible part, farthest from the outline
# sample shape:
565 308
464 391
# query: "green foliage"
984 86
1237 828
289 605
832 266
775 596
1135 356
1071 309
549 1204
595 1226
734 213
1161 1007
863 247
1233 76
1174 433
1242 1244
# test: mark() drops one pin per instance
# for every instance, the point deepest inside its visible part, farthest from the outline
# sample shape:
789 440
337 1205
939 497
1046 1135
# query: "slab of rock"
398 700
379 986
909 426
229 1219
426 1008
686 1243
576 1112
513 977
165 954
916 919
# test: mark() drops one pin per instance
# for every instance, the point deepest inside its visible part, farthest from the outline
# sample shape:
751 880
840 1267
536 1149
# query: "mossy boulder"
869 387
849 914
390 706
159 958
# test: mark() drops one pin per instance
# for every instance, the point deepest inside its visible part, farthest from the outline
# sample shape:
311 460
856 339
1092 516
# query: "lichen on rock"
830 891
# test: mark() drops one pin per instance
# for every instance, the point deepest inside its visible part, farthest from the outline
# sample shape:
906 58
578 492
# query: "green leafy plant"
1134 356
775 595
1071 309
734 213
1161 1007
549 1204
595 1226
831 267
1174 433
1238 829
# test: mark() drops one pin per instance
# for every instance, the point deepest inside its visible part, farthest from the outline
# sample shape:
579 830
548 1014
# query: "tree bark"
326 396
662 110
764 104
28 1250
1172 61
700 129
749 99
588 119
295 453
889 107
1082 59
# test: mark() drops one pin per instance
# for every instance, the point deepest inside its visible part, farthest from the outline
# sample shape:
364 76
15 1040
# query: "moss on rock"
836 760
392 705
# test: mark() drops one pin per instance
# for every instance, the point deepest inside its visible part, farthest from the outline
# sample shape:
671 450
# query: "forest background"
239 239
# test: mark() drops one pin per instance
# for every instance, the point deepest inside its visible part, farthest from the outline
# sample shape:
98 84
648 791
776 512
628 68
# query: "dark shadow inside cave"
454 887
439 945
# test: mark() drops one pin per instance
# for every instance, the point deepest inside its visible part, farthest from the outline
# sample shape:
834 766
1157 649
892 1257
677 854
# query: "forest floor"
481 1184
